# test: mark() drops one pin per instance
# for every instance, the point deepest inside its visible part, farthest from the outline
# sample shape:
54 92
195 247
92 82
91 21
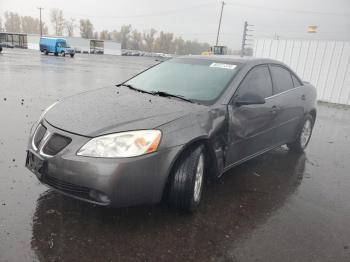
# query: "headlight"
125 144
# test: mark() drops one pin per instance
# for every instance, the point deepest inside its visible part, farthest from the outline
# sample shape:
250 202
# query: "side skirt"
248 158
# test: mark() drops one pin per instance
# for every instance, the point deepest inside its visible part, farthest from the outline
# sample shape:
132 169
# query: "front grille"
39 135
66 187
55 144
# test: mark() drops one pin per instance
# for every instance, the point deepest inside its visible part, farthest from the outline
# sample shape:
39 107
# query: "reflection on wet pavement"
278 207
64 228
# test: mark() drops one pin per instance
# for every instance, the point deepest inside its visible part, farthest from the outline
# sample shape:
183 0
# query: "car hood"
115 109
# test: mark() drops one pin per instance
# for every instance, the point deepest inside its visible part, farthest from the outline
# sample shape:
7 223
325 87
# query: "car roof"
232 59
53 38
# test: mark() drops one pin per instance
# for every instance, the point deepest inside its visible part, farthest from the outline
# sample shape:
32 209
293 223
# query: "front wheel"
187 180
63 53
304 135
71 55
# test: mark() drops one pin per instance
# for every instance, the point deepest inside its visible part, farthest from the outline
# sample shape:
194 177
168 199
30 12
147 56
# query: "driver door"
59 47
251 126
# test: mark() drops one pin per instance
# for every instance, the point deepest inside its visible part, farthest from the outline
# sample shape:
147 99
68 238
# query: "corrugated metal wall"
326 64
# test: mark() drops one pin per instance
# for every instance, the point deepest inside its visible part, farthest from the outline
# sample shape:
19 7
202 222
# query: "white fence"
326 64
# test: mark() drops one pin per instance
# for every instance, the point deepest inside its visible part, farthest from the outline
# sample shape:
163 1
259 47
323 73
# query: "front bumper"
70 51
113 182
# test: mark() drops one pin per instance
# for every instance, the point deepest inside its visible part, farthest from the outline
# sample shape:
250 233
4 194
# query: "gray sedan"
161 133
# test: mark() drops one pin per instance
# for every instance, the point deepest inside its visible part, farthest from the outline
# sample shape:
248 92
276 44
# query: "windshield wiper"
165 94
135 88
159 93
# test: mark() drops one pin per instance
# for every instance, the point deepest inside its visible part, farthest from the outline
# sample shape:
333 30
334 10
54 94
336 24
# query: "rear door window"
257 81
281 78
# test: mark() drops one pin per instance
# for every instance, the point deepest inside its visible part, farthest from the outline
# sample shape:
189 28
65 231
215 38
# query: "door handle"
275 109
303 97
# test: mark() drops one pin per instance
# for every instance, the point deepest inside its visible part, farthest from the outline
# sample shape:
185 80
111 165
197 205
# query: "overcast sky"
198 19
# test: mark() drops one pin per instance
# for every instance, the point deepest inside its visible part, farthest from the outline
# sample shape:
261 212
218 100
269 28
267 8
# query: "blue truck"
56 46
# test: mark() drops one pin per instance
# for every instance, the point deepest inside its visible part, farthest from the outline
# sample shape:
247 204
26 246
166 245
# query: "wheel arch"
209 152
313 113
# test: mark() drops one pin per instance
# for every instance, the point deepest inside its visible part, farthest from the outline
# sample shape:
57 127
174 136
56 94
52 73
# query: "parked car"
97 50
55 46
7 45
161 133
77 50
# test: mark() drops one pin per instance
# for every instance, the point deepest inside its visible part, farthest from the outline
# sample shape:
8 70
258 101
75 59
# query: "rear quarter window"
281 78
296 81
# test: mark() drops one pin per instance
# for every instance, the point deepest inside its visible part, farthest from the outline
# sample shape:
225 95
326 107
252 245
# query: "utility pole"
245 37
222 9
41 25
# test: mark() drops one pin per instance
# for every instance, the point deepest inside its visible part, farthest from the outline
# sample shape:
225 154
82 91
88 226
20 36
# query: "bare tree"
12 22
125 35
105 35
149 39
164 41
115 35
179 46
70 25
30 25
86 28
136 41
57 20
45 28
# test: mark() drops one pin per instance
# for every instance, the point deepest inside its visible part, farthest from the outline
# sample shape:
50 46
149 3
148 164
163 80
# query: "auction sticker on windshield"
224 66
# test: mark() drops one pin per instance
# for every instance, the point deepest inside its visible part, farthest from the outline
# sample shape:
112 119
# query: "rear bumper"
109 182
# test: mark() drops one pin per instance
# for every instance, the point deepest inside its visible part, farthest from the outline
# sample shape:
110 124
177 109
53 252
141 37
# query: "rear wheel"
56 54
46 52
71 55
63 53
186 184
304 135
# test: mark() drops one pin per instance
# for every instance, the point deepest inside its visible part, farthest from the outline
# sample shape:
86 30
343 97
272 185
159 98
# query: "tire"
186 183
56 54
71 55
304 135
63 53
0 49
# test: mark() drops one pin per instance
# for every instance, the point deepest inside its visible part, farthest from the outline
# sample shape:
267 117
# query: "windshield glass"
62 44
199 80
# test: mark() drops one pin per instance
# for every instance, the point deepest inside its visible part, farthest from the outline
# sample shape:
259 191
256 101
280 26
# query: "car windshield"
199 80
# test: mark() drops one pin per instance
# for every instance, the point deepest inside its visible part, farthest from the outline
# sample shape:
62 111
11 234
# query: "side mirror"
249 99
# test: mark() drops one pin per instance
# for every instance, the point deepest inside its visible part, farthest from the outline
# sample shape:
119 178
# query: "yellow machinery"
216 50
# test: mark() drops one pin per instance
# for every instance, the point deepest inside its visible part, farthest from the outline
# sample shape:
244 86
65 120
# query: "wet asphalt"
280 206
